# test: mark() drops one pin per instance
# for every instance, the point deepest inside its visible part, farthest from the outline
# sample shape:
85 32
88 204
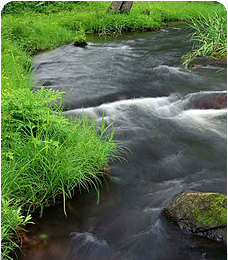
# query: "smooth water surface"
165 115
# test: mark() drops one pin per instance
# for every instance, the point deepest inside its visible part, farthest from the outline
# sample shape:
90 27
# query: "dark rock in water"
199 213
80 43
222 100
214 102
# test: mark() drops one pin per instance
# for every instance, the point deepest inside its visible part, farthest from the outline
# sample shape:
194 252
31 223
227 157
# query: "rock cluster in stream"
199 213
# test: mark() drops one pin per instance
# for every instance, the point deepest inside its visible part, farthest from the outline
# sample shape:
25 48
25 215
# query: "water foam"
172 108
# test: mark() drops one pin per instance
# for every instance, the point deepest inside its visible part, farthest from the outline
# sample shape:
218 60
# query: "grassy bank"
39 27
45 155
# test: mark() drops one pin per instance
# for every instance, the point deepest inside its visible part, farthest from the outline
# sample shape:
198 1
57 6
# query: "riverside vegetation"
45 155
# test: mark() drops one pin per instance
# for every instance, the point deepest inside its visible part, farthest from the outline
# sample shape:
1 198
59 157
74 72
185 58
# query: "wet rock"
80 43
214 102
199 213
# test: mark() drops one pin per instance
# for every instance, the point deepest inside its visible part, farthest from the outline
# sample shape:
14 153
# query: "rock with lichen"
200 213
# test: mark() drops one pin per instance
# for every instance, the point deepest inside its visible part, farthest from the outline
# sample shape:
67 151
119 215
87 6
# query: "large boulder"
199 213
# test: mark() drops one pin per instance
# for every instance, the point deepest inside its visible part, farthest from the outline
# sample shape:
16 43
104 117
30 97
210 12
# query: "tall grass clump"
209 37
52 157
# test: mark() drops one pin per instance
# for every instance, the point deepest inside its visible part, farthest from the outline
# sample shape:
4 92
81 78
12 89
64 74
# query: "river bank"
37 141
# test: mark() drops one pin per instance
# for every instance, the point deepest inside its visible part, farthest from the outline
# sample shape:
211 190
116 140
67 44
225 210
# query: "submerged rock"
199 213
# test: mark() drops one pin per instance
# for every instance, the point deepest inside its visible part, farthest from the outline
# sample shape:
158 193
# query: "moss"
206 210
214 211
200 213
199 210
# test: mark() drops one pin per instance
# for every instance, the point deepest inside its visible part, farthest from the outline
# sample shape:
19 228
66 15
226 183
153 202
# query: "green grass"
35 33
45 155
40 27
209 36
54 159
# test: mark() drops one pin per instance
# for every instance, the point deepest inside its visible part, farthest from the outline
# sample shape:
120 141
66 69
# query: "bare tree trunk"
126 6
120 6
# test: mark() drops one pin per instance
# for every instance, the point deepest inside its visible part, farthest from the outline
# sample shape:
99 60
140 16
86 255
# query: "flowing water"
166 116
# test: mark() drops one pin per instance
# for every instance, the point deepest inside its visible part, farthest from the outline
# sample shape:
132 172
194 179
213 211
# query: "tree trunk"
120 6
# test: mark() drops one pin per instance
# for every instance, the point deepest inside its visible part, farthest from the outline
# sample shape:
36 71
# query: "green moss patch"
210 209
199 211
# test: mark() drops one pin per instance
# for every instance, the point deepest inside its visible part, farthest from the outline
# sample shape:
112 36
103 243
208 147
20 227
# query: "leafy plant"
11 220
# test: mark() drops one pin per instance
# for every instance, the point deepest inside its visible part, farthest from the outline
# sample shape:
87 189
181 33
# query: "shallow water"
137 82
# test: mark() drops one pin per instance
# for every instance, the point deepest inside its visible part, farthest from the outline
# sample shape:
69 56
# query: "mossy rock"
199 213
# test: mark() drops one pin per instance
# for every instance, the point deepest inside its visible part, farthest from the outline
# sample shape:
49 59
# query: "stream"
172 122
